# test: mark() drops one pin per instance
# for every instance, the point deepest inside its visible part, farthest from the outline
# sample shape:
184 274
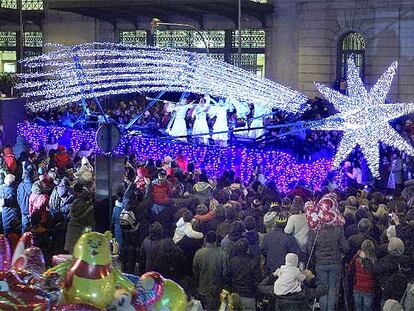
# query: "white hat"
292 260
84 161
9 179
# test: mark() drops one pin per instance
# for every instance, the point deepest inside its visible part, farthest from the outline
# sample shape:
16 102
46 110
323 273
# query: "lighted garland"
118 69
277 166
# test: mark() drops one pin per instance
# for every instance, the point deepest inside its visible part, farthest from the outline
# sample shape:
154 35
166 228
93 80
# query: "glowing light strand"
146 69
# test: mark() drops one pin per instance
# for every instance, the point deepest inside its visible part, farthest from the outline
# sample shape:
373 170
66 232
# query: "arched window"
351 43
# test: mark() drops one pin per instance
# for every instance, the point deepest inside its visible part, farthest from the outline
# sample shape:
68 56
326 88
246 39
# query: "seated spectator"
290 278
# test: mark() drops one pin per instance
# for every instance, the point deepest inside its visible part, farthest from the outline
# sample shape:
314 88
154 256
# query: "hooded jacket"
23 194
185 229
39 200
203 191
62 159
10 213
10 159
161 192
85 172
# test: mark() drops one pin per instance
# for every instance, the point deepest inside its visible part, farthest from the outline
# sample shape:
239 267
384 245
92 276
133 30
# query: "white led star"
364 117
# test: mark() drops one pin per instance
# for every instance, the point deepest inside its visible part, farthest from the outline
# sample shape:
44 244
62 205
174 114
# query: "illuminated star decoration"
364 117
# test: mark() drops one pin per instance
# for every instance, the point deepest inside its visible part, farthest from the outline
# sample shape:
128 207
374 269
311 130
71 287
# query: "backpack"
128 221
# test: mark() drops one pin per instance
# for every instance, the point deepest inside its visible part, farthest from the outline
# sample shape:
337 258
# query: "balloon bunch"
87 281
20 276
323 212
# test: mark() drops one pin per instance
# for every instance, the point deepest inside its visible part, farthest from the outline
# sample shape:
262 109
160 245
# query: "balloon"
75 307
57 259
89 277
123 302
25 242
133 278
18 295
5 254
31 260
152 286
174 298
324 212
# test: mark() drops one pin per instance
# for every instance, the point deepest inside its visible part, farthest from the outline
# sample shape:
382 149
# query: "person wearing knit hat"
392 305
277 244
290 277
351 206
396 247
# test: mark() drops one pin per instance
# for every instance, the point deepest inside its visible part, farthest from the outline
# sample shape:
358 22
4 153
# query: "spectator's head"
78 188
236 230
281 220
202 209
249 223
396 247
364 225
211 238
291 260
241 247
156 231
231 212
352 201
369 249
392 305
187 216
162 175
203 178
391 233
9 179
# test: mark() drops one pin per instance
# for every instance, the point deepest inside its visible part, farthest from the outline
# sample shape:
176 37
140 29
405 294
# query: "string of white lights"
365 117
115 68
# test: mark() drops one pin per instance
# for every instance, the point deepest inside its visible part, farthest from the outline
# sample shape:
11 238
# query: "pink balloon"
25 241
75 307
32 260
5 254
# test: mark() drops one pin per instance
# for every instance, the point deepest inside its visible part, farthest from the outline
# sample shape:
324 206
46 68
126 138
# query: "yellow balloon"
173 298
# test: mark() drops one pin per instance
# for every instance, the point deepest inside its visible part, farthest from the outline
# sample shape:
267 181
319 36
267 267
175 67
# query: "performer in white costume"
219 110
242 110
200 124
179 127
258 116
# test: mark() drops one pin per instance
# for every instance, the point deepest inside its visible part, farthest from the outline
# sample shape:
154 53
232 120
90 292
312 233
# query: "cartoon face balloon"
93 248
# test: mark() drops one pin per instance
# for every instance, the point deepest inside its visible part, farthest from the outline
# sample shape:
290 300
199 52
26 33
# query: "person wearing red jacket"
363 281
62 158
10 159
161 192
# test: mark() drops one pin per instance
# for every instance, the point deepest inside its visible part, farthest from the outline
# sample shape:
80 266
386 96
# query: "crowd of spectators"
246 244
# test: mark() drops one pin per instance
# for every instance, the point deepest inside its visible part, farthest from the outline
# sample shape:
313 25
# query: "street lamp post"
156 23
21 30
239 34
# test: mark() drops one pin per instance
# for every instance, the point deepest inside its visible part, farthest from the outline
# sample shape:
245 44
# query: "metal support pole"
239 35
21 31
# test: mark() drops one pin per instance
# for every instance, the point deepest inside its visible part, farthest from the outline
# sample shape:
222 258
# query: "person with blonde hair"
363 280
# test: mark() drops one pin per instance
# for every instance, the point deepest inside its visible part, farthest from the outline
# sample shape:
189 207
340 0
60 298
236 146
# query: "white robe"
200 124
220 111
179 127
259 110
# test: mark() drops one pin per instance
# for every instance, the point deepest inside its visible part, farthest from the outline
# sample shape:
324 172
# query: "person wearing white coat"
179 127
185 228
